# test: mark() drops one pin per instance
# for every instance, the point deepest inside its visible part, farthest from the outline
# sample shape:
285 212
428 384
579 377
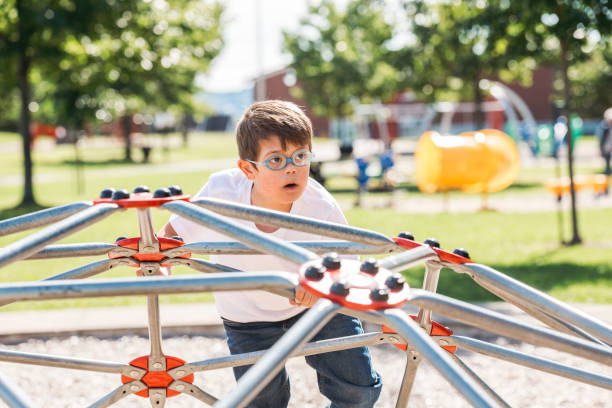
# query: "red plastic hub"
142 200
442 254
359 284
157 379
436 330
164 244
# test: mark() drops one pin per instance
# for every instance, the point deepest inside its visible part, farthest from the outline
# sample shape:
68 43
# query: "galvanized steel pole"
33 243
40 218
295 222
255 239
438 358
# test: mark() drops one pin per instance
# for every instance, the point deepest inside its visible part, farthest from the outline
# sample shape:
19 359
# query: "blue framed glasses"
279 161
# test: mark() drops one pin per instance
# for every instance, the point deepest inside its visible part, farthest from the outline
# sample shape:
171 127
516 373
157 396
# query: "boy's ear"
248 170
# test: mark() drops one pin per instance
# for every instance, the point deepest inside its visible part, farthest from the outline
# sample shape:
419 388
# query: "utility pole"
260 82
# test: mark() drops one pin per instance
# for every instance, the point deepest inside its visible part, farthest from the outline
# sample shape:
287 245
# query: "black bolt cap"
120 239
432 242
461 252
161 193
339 288
120 194
175 190
314 273
370 266
141 189
379 294
406 235
331 261
395 282
107 192
178 238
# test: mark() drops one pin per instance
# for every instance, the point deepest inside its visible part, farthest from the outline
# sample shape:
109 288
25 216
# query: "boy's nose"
290 169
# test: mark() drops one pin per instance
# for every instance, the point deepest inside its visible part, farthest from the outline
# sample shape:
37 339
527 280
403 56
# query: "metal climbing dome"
371 290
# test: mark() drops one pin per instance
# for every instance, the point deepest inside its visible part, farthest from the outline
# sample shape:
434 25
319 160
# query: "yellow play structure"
484 161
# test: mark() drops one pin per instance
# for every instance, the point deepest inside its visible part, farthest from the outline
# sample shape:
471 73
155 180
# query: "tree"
590 82
455 46
103 58
340 57
566 33
32 32
150 66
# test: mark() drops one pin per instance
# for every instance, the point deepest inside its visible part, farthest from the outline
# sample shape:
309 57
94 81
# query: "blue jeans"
345 377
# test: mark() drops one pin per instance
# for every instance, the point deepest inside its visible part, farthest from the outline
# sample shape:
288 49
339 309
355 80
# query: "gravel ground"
520 387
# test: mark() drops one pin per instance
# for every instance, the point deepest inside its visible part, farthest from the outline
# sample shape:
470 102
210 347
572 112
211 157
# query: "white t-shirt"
256 306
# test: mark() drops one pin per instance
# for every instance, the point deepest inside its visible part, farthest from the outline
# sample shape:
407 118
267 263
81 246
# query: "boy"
274 144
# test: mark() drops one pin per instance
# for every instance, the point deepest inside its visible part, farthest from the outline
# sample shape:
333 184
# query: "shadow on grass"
412 188
542 277
20 210
98 164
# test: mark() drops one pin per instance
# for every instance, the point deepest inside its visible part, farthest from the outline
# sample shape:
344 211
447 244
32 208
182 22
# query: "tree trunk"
126 128
479 119
570 143
185 130
24 128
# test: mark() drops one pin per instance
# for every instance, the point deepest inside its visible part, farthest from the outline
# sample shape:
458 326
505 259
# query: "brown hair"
268 118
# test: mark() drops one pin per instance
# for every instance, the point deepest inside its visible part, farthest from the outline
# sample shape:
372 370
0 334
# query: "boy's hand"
303 298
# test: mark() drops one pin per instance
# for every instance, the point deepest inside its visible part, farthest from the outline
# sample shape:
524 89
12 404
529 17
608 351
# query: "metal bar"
530 361
192 390
430 284
157 361
205 266
406 259
534 312
272 362
200 265
318 247
148 242
68 289
370 316
480 381
81 272
294 222
256 239
308 349
157 397
73 250
501 324
85 271
576 330
40 218
438 358
62 362
412 365
118 394
544 302
33 243
11 395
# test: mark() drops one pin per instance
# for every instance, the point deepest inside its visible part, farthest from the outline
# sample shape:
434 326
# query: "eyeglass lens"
279 161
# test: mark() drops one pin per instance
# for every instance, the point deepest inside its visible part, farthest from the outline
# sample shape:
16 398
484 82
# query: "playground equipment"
474 162
371 290
412 119
561 186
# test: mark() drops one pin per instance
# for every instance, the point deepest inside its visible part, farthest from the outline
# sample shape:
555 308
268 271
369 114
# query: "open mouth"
290 186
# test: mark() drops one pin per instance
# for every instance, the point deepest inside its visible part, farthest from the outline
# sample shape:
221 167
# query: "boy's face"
275 189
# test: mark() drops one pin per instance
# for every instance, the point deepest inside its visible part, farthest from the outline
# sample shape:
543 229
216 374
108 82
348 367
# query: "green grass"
523 245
